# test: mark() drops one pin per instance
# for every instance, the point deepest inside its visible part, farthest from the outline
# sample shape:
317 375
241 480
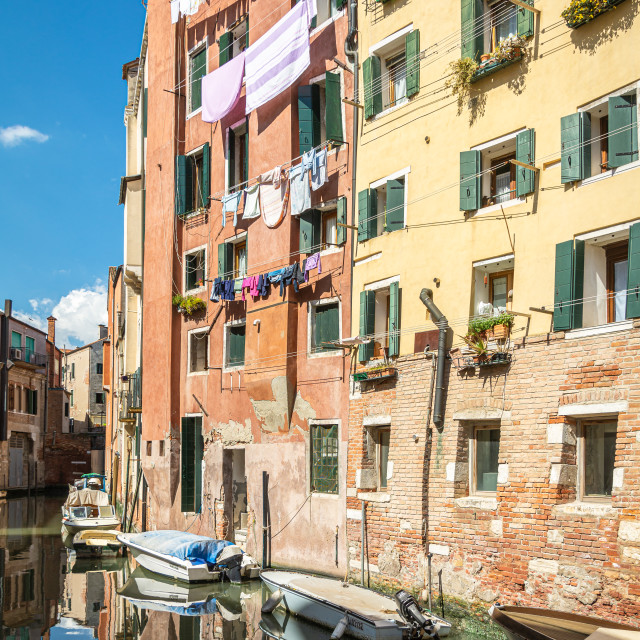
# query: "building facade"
245 416
492 173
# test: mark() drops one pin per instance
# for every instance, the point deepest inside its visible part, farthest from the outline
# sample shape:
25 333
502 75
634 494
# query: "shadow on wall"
379 9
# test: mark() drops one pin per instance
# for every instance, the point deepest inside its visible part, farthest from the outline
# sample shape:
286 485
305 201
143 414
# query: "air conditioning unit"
17 354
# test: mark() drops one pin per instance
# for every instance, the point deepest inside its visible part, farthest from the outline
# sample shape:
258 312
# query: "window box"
189 305
494 64
378 373
580 12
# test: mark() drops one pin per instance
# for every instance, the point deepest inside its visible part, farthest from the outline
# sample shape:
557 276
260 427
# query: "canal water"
45 592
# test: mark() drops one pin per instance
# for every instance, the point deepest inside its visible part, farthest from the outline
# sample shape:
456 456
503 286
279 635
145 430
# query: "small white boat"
88 509
349 609
188 557
94 543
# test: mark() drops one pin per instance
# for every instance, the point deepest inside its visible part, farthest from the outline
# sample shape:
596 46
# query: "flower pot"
485 57
501 331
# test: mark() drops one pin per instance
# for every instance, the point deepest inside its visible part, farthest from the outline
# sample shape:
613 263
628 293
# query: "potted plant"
478 345
579 12
509 49
189 305
461 76
484 58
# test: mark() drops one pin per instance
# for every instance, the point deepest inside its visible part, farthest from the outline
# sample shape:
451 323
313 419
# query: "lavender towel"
221 89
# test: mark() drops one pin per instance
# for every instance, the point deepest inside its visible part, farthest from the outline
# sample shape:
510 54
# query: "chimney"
51 332
104 332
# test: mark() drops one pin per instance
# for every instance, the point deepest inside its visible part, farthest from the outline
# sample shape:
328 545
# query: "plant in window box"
382 370
478 345
189 305
461 76
509 49
580 12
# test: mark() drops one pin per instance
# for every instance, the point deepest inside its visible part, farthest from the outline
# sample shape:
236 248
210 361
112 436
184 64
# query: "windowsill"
331 251
191 214
233 369
192 292
324 496
487 503
194 113
610 173
503 205
489 69
586 332
374 496
585 509
326 23
197 373
389 110
332 353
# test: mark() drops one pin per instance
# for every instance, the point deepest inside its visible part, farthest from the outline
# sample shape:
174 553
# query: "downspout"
351 51
426 297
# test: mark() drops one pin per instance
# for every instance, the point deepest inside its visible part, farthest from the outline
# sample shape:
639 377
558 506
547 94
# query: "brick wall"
532 543
66 456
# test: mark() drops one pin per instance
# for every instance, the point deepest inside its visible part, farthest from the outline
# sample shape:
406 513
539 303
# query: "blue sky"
62 152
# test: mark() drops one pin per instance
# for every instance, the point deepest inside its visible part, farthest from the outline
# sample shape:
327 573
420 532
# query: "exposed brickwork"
525 547
66 457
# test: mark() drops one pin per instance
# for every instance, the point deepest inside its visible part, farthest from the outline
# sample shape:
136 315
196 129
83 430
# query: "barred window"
324 458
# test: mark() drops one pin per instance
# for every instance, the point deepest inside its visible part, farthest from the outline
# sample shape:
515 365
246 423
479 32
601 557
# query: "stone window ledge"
374 496
488 503
585 509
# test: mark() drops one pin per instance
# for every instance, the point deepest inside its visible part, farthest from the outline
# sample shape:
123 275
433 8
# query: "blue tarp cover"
195 609
185 546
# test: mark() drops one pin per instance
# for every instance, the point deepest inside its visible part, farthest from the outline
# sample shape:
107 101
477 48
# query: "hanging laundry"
277 59
251 202
237 285
175 11
221 89
319 169
263 285
312 10
291 275
274 197
227 290
230 204
246 284
300 190
312 262
307 159
274 277
189 7
216 290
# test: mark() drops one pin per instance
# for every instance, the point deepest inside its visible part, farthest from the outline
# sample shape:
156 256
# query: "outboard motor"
230 559
410 610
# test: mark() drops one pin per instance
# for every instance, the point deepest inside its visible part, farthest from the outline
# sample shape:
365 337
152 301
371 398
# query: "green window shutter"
225 260
562 301
184 191
525 21
412 58
341 232
310 230
35 401
225 45
29 347
394 319
577 291
633 280
236 345
206 174
16 340
73 369
575 155
327 326
623 145
198 448
367 323
470 180
198 71
472 31
372 86
367 211
231 158
145 111
309 117
245 167
525 152
187 463
333 107
395 205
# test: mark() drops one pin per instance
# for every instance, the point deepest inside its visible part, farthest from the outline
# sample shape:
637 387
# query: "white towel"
251 202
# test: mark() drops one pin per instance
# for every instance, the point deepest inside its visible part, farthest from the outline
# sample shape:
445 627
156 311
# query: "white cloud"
17 134
78 315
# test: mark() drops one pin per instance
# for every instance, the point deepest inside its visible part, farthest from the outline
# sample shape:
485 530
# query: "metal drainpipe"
351 51
426 297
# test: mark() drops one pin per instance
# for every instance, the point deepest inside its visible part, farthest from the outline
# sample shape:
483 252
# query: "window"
319 228
484 449
100 398
71 398
611 126
191 449
392 73
324 325
382 439
493 285
16 340
193 180
198 350
597 455
149 447
329 228
488 177
31 401
235 344
29 349
503 23
617 276
234 41
194 269
233 257
73 372
197 70
383 206
237 156
324 458
161 448
380 319
11 393
99 367
327 9
66 409
240 259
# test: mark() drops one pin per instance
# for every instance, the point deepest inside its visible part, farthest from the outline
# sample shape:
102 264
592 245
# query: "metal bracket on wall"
524 5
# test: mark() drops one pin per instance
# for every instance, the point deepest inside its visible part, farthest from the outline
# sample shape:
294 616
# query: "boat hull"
75 525
328 613
96 543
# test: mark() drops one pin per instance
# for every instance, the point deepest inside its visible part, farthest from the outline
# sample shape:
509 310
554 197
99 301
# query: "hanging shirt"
216 290
228 292
292 275
275 276
307 159
300 190
319 169
312 262
263 284
251 202
230 204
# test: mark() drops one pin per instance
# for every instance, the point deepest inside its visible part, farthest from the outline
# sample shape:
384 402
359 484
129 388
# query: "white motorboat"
188 557
88 509
349 609
97 543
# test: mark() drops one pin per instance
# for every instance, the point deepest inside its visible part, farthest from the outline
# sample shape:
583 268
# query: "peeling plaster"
273 414
231 432
303 408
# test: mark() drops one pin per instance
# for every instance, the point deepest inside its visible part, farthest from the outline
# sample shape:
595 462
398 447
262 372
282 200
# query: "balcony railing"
131 398
28 356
